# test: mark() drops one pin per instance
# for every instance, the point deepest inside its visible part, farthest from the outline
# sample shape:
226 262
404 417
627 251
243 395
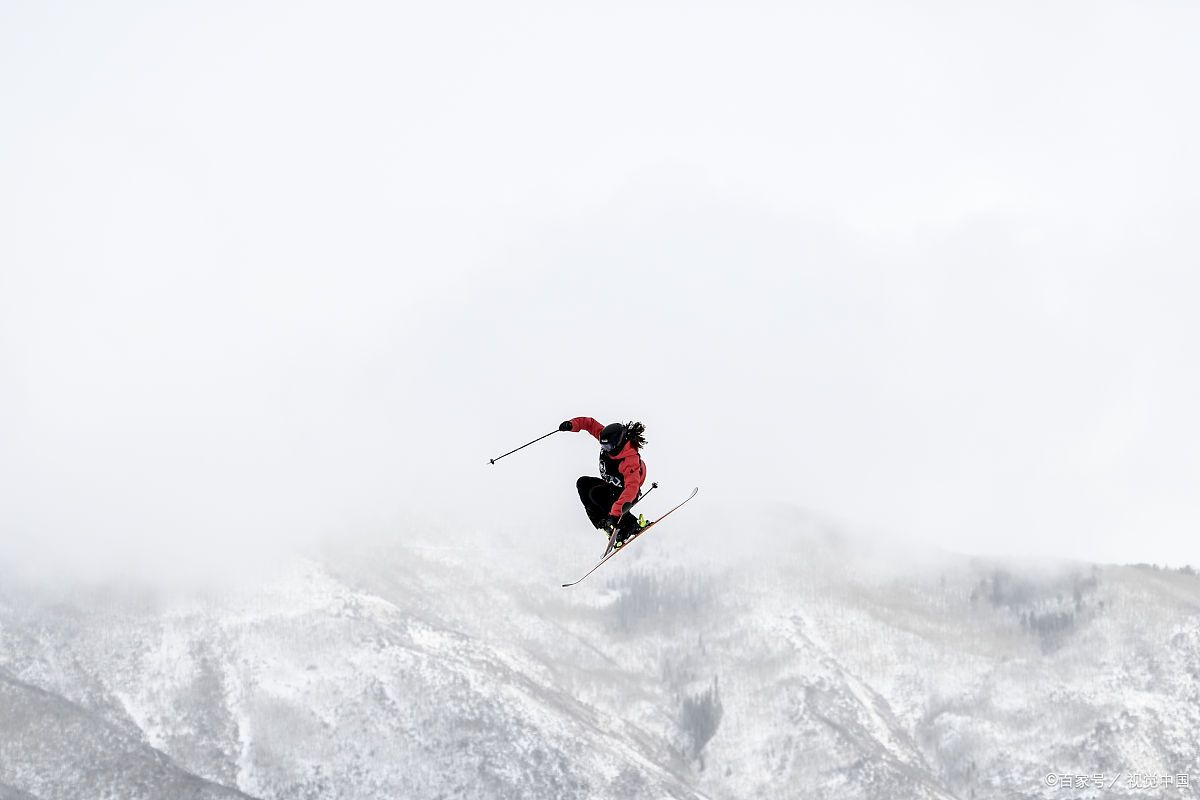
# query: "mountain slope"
9 793
56 749
458 668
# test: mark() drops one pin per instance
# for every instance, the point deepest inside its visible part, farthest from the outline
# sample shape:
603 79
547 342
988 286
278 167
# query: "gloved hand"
625 508
609 524
566 426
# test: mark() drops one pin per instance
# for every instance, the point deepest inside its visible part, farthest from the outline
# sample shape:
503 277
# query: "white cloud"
270 268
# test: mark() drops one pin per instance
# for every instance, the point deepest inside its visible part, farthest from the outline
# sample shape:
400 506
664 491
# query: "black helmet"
612 438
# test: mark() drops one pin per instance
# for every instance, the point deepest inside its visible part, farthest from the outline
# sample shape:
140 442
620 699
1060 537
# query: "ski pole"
522 447
653 486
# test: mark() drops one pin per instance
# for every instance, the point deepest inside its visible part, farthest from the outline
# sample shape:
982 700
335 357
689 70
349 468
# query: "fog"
273 273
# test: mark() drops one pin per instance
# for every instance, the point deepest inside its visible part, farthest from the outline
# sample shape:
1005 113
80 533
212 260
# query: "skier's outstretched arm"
582 424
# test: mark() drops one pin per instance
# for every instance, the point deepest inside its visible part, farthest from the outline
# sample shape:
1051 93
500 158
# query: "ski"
610 552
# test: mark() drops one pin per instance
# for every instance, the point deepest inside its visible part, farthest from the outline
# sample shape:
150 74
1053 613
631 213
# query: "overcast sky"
274 270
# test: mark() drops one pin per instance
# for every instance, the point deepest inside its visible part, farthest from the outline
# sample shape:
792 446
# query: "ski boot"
629 530
606 529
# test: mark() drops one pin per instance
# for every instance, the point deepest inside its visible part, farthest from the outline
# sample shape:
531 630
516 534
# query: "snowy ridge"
878 719
9 793
93 758
389 671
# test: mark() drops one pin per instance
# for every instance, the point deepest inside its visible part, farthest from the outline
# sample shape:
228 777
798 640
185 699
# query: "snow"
399 671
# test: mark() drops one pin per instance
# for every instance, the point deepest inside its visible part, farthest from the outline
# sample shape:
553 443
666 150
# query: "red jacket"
630 472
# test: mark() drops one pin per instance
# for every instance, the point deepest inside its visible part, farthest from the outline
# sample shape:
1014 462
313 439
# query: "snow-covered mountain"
804 664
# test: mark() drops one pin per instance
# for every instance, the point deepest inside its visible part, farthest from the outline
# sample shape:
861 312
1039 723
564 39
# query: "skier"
622 472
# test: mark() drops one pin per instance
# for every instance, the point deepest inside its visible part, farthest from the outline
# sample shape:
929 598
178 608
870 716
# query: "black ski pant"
598 497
